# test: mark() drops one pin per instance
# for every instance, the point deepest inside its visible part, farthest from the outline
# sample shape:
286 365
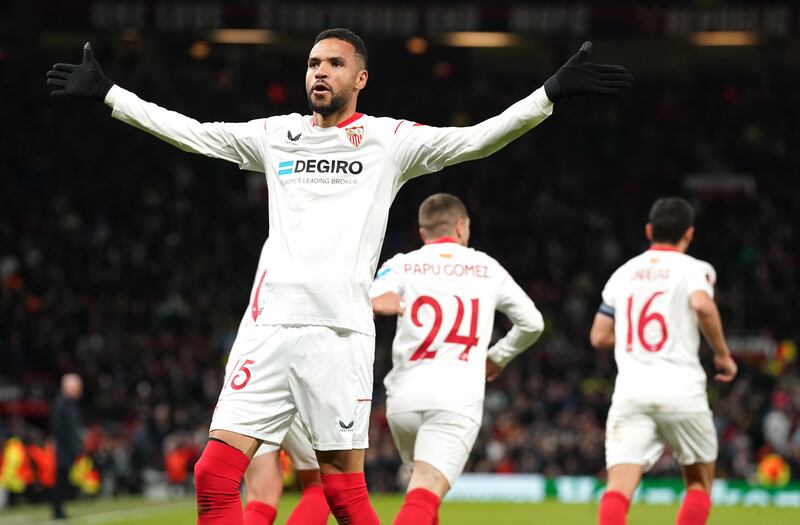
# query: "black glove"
579 77
84 80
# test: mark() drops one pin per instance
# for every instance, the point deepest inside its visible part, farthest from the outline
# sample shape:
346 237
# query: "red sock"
312 509
613 508
421 507
348 498
217 477
695 508
257 513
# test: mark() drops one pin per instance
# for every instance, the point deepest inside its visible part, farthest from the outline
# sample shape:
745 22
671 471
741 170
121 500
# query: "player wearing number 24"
434 392
654 308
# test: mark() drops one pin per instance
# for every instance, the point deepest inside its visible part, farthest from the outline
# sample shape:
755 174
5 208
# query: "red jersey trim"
355 116
662 248
441 240
349 120
398 126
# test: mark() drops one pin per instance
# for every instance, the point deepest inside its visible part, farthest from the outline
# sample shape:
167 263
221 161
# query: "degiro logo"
333 167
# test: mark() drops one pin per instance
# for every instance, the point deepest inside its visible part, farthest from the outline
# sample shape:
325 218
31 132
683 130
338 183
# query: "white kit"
660 392
436 387
330 190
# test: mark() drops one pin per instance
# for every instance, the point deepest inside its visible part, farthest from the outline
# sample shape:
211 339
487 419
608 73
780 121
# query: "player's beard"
338 101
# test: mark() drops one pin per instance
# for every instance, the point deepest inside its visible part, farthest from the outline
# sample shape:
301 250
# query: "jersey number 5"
241 374
646 317
454 337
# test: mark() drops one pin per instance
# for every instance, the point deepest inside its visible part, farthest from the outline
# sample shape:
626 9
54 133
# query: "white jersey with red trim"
656 331
330 190
439 352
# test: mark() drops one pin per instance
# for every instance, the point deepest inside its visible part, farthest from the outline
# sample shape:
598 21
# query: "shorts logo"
355 135
346 427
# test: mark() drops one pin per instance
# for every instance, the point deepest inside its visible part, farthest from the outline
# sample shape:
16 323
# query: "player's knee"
426 476
340 461
210 478
309 478
206 479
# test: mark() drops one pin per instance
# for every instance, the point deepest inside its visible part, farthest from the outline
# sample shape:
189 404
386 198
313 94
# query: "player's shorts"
297 445
441 438
638 437
322 374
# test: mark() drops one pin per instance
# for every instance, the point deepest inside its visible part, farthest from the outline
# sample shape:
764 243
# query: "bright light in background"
479 39
416 45
200 50
242 36
724 38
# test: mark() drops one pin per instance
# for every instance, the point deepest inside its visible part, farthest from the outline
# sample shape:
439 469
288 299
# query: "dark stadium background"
130 262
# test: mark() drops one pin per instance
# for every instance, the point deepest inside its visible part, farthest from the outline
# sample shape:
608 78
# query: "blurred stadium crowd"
130 262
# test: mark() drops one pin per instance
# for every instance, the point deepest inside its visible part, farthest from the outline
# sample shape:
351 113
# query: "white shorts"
322 374
297 445
440 438
638 437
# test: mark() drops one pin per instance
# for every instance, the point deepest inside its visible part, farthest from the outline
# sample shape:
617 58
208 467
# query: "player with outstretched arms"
331 178
445 295
654 308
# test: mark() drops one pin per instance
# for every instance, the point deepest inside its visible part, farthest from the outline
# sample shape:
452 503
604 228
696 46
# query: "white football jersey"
656 330
439 352
330 190
251 312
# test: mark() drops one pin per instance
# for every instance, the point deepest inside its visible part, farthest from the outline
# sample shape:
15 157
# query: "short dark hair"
439 213
670 217
348 36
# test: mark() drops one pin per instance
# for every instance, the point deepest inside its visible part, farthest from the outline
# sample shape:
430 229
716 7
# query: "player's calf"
623 479
426 489
312 509
264 486
342 476
696 504
218 475
613 508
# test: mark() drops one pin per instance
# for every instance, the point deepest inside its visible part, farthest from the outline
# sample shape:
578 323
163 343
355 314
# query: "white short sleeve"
702 277
388 279
609 296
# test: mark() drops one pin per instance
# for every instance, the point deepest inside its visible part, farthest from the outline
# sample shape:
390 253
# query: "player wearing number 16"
652 309
445 295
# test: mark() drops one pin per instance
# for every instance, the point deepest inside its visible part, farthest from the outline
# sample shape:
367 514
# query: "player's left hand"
726 368
492 370
390 303
579 77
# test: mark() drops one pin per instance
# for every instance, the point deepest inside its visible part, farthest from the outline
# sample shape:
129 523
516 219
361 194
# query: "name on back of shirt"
450 269
650 274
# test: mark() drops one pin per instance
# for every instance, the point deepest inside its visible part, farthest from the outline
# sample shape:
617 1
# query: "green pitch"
181 512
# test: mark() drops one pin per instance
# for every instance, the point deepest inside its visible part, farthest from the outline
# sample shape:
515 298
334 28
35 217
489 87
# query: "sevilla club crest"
355 135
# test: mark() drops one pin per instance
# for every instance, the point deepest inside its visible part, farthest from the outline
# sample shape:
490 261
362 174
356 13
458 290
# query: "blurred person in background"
653 310
441 354
65 426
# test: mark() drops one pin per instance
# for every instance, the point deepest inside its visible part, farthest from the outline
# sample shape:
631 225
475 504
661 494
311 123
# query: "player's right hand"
84 80
726 368
493 370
